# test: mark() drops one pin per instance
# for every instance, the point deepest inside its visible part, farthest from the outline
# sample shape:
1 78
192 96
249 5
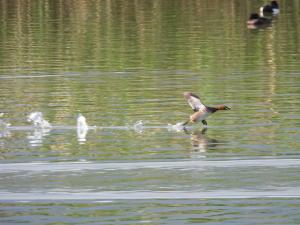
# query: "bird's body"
201 112
256 20
200 115
272 8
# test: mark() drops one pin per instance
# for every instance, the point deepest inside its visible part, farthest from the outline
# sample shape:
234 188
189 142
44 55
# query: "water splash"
82 128
178 127
36 138
139 126
4 126
41 128
38 121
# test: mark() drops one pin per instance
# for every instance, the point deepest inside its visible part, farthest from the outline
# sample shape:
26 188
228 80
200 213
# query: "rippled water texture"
92 106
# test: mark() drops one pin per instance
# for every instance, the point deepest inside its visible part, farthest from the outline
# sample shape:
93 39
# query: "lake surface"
124 66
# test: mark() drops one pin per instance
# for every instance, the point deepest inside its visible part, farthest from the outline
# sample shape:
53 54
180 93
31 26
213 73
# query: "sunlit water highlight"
187 165
137 195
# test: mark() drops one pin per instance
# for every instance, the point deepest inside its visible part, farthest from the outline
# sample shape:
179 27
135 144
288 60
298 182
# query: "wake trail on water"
38 121
40 128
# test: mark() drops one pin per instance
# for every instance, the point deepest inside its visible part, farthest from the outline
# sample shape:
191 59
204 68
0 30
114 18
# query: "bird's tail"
185 123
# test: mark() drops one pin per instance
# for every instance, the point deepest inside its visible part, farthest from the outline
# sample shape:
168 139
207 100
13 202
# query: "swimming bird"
201 111
257 20
273 7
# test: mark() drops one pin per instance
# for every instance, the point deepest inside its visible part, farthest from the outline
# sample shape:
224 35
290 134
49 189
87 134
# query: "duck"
201 111
273 7
256 20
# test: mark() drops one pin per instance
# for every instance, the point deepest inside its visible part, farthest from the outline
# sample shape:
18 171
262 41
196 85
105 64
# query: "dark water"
124 66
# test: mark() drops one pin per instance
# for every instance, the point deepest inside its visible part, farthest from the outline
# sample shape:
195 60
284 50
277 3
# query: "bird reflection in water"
41 128
200 141
37 136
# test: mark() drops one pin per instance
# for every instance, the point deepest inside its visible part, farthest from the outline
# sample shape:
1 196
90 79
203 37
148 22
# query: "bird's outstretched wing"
194 101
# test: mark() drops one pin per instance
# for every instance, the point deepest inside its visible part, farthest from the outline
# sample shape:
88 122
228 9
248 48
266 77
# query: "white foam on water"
38 120
178 127
82 128
41 128
139 126
36 138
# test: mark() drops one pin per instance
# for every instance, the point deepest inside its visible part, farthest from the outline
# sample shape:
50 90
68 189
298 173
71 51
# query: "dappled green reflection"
119 62
129 35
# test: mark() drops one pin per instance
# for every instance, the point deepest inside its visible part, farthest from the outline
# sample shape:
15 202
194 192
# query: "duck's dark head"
274 4
254 16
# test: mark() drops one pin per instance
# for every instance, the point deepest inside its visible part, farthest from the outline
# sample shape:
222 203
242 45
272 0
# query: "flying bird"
201 111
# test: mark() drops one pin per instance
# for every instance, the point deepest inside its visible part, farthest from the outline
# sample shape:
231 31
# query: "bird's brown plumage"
201 112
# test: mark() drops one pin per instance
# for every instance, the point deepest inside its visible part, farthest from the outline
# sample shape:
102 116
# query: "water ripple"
135 195
196 164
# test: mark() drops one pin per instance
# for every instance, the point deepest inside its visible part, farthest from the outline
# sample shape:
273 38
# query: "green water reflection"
121 61
43 36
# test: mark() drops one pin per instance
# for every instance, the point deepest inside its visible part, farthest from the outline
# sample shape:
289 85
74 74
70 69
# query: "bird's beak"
227 108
